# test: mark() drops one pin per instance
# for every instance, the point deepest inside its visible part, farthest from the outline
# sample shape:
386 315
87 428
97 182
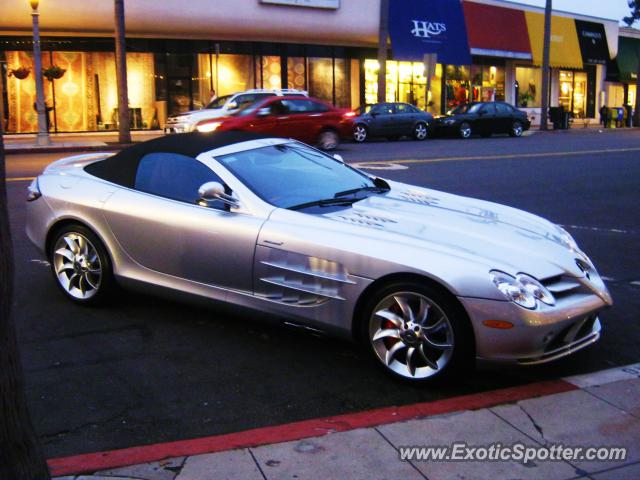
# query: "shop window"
457 85
573 92
342 74
269 74
320 81
233 73
296 73
529 81
406 82
202 80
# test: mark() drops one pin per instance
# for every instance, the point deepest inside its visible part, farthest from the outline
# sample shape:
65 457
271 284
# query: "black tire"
462 353
103 287
360 133
328 140
465 131
516 129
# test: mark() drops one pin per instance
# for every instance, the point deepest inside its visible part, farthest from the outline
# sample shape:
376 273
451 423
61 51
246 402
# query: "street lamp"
43 132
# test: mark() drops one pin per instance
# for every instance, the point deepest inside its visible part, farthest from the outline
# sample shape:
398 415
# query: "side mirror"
339 158
263 112
232 105
212 191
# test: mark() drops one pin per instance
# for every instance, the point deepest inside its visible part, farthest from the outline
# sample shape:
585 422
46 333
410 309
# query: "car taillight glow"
349 115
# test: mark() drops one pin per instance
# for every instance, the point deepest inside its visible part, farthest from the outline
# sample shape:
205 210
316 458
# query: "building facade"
177 52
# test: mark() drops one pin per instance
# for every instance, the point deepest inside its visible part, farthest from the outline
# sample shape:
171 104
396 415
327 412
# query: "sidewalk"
72 142
594 410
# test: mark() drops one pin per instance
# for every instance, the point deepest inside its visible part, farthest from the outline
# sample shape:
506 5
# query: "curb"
91 462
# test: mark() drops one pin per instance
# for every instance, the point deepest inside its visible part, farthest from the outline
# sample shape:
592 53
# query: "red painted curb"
92 462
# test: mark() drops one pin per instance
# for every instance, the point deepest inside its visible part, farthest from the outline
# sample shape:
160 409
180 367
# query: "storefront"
484 52
623 72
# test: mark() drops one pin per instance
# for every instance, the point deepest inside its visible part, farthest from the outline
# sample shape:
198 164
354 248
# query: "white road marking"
605 376
379 166
44 263
636 283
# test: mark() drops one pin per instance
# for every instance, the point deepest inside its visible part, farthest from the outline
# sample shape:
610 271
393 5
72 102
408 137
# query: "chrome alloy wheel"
516 129
420 131
360 133
465 130
411 335
77 265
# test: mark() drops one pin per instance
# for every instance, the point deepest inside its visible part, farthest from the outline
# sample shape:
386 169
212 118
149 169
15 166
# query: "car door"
404 118
300 120
504 117
265 118
162 225
486 120
381 119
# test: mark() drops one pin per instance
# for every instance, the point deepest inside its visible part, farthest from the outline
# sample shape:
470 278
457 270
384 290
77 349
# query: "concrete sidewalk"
594 410
72 142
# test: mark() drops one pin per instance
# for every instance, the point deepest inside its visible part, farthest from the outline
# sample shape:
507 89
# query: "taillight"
349 114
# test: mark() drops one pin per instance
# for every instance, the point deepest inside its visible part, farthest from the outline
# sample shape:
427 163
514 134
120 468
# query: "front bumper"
538 336
178 128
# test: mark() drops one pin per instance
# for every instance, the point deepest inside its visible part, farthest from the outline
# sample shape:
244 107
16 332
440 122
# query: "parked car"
483 118
222 107
391 120
306 119
424 279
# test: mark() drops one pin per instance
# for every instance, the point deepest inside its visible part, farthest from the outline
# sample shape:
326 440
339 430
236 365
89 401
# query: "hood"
202 114
501 237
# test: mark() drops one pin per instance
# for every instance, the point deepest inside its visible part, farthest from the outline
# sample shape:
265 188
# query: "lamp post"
43 132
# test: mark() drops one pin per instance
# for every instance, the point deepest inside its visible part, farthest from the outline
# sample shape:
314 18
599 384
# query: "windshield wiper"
361 189
326 202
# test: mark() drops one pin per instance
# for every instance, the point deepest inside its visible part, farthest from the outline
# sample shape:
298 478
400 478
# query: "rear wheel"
360 133
80 265
328 140
420 131
416 333
465 130
516 129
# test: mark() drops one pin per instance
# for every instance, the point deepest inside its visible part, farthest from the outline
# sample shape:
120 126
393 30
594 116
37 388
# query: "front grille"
561 286
574 332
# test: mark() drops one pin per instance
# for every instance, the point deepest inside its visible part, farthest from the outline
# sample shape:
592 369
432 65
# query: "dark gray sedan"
391 120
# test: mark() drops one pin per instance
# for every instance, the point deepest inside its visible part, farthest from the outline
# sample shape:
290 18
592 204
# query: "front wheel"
81 265
360 133
465 130
328 140
516 129
416 333
420 131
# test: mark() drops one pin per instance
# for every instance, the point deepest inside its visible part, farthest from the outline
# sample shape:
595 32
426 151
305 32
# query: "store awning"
497 31
593 42
628 59
565 49
420 27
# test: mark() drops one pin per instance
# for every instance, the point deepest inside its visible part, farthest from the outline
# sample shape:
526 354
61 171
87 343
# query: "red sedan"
306 119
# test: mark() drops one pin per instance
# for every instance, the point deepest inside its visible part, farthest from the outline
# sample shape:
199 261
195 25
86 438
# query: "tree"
383 34
21 456
546 71
124 132
634 5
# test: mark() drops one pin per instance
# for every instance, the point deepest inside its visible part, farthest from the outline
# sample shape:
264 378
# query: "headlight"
539 291
513 289
208 126
33 191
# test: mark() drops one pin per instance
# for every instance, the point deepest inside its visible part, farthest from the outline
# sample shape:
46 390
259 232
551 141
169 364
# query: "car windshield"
218 102
466 108
292 174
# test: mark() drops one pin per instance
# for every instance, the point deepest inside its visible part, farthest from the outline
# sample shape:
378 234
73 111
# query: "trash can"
566 120
556 115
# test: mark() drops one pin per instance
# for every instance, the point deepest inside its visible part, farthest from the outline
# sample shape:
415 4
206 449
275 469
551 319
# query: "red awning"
497 31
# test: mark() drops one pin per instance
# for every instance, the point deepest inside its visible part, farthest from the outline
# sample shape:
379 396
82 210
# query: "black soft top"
121 168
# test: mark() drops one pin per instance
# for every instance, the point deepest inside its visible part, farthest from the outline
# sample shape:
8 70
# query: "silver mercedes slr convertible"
426 280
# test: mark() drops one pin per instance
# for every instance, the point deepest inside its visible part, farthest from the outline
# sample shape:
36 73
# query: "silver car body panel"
312 269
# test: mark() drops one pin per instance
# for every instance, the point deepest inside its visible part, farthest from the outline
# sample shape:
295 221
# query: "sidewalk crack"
398 452
533 422
257 464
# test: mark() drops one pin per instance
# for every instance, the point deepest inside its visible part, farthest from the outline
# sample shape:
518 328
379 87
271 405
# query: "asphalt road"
147 370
